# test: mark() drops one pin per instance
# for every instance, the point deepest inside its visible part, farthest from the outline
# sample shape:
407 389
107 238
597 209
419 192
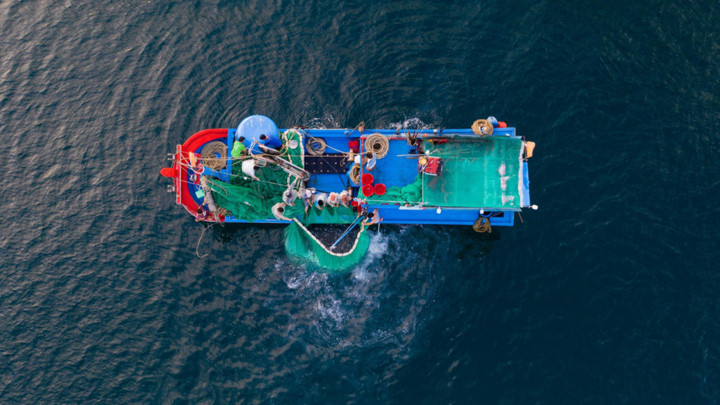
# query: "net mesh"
253 199
483 173
301 244
409 194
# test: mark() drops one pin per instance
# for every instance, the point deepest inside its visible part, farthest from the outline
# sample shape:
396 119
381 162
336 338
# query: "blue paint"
396 171
253 128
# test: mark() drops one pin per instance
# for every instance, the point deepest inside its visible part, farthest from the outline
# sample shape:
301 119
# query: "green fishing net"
301 244
252 200
410 194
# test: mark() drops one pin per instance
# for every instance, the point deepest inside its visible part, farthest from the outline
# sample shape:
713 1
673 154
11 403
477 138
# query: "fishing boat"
352 179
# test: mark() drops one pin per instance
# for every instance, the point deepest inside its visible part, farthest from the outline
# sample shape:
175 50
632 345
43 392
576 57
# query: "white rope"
197 247
322 245
377 144
326 145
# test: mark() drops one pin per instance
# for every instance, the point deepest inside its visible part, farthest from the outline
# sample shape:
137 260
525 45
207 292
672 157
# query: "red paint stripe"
191 145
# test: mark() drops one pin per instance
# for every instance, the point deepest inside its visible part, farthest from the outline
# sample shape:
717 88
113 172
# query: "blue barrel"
259 129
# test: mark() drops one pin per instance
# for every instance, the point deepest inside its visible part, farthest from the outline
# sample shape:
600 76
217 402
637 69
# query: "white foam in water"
325 122
330 308
378 247
302 278
410 123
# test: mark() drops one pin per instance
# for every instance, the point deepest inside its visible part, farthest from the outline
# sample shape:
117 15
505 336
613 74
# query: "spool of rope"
482 225
482 127
355 174
214 155
377 144
316 146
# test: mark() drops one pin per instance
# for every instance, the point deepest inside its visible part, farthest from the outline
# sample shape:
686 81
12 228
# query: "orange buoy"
529 148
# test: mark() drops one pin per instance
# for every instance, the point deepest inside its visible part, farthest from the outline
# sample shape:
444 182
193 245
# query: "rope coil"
482 225
377 144
482 127
316 146
210 152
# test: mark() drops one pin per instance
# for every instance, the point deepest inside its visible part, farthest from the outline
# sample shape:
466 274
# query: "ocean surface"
608 294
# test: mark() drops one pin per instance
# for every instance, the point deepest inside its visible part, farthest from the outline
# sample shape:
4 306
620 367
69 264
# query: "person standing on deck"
308 197
200 214
370 160
289 197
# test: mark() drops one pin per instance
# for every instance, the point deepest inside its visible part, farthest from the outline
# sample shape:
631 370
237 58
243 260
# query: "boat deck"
486 174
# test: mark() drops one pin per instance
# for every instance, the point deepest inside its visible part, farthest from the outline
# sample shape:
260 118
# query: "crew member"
308 197
320 200
372 218
200 214
333 199
370 161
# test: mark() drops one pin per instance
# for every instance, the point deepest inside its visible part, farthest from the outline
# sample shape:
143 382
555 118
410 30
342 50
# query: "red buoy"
367 178
168 172
367 190
502 124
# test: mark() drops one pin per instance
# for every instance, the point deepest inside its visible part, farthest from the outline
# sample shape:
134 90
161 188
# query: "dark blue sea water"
610 293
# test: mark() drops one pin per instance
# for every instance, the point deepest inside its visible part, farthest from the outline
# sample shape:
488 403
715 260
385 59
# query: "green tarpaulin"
478 173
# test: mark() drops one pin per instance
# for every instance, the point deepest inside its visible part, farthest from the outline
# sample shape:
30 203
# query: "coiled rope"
210 152
482 225
377 144
355 174
482 127
316 146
